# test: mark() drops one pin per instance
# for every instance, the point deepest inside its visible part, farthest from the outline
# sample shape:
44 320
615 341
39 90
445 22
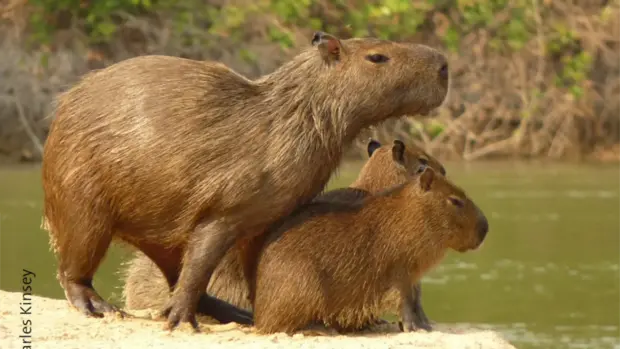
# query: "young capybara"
388 165
336 266
182 158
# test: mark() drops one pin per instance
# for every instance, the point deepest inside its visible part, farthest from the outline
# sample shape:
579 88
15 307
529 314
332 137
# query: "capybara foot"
420 320
415 325
85 299
179 311
222 311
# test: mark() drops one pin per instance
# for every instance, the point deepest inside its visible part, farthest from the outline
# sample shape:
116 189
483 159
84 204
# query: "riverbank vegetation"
530 78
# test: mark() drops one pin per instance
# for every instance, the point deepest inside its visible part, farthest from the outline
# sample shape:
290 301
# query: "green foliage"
97 18
510 25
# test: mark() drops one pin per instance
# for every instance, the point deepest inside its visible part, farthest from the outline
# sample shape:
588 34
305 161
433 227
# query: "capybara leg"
79 258
85 299
420 319
206 247
249 250
408 307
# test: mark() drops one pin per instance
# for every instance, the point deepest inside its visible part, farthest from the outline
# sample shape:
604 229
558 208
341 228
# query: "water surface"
547 276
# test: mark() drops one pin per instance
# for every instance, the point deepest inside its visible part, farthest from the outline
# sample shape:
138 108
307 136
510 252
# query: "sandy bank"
53 324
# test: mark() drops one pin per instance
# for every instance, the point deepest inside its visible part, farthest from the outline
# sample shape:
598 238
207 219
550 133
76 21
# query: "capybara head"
389 165
446 207
370 78
411 76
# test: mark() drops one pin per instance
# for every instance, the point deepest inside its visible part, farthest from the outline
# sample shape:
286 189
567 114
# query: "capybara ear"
426 179
398 152
372 146
329 46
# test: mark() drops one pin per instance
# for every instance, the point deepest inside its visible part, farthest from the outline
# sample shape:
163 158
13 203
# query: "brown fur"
145 286
180 158
354 254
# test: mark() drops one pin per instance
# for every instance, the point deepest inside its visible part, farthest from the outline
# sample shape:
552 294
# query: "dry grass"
501 103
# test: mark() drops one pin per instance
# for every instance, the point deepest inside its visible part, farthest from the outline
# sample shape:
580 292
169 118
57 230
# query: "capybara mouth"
478 245
467 248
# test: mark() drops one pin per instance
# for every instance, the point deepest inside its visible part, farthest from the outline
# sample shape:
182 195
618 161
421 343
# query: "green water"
547 276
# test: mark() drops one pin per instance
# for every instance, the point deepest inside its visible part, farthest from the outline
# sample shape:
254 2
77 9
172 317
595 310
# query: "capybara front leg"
407 315
206 247
420 319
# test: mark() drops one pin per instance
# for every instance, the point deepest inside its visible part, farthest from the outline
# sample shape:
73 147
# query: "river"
547 276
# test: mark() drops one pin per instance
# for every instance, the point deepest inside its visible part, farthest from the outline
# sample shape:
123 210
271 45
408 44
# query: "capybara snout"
483 227
475 230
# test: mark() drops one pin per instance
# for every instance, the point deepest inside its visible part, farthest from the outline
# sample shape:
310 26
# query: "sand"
54 324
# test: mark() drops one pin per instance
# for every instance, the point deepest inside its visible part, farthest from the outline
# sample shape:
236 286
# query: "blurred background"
531 130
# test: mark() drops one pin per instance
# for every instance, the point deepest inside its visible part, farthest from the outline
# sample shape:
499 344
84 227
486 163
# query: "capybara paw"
420 320
423 323
412 326
86 300
177 314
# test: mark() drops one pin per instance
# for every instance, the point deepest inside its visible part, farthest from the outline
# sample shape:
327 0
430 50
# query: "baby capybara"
181 158
145 286
335 266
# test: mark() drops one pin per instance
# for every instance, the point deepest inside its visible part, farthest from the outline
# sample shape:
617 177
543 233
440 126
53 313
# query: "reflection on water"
546 277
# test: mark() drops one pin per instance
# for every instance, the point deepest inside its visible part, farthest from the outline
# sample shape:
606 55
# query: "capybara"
181 158
335 266
388 165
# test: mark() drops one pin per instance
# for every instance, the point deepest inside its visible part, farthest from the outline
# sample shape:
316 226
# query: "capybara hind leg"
248 250
79 259
206 247
85 299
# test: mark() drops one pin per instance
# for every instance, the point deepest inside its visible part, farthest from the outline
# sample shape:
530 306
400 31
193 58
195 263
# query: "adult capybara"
335 266
145 286
181 158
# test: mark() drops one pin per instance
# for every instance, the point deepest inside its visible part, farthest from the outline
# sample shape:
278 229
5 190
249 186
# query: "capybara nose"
483 226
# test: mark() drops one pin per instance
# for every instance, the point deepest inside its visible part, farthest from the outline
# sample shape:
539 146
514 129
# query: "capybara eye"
423 161
443 71
456 201
377 58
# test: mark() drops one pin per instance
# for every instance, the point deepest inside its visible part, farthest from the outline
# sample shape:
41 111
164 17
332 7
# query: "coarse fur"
353 255
145 286
181 158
